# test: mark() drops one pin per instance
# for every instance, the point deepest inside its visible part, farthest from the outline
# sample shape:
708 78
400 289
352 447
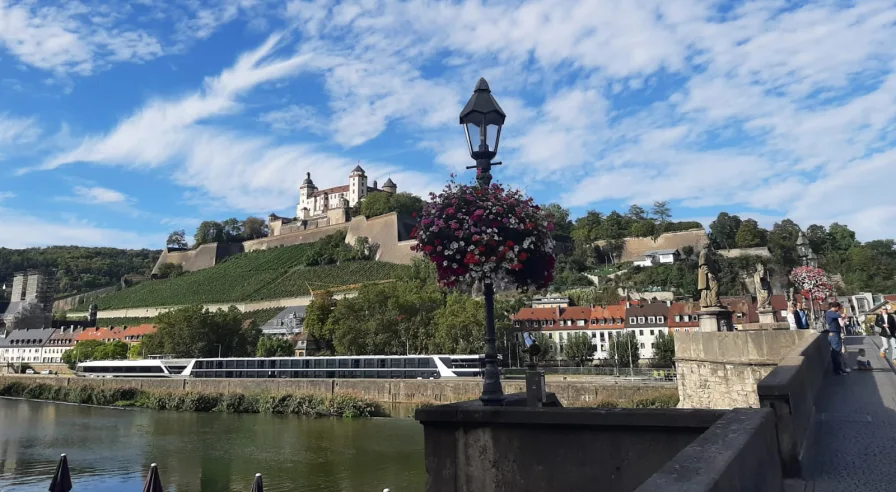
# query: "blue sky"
121 121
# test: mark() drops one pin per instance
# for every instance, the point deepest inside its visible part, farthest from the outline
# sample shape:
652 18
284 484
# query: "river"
110 450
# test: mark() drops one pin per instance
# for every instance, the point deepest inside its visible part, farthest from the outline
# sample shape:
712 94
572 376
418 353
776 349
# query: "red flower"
509 244
523 256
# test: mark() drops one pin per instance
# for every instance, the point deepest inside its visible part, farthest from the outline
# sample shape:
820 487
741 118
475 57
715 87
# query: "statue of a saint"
763 288
708 280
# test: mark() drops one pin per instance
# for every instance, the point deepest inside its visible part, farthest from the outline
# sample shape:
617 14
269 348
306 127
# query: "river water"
110 450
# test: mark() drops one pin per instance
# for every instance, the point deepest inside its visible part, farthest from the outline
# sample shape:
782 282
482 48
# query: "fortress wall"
636 247
382 230
290 239
205 256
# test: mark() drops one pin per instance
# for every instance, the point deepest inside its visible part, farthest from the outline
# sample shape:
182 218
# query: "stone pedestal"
536 395
767 316
715 319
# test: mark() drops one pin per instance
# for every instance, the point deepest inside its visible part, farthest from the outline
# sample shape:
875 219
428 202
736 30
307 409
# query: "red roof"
115 333
335 189
576 312
681 309
538 314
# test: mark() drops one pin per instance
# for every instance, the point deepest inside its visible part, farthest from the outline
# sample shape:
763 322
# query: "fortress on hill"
319 213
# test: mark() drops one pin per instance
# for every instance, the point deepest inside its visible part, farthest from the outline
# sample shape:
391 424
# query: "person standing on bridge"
835 329
886 324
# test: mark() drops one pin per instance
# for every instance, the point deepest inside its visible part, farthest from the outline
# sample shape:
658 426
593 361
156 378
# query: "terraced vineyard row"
252 276
298 281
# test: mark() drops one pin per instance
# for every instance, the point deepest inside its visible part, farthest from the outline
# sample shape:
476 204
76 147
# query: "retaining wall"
721 370
385 391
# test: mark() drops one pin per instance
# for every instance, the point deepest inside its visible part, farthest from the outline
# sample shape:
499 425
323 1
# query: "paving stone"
855 432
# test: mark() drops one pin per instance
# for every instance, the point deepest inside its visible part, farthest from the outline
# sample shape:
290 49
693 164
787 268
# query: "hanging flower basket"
475 234
813 281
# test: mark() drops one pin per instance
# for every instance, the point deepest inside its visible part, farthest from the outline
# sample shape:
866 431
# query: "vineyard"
272 274
261 316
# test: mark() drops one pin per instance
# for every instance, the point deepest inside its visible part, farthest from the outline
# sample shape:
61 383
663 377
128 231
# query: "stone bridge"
762 412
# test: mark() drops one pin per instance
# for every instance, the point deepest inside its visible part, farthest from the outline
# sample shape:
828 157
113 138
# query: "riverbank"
305 404
384 391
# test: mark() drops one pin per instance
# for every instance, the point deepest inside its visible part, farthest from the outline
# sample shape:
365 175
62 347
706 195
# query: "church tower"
305 192
390 187
357 185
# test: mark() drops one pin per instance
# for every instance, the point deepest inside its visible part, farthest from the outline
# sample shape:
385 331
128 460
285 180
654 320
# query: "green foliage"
136 351
782 243
94 350
559 216
196 332
679 277
317 315
177 239
381 203
391 319
663 350
644 228
170 270
460 326
79 269
723 231
549 348
662 401
750 235
606 295
624 350
732 271
209 231
305 404
276 273
274 347
578 348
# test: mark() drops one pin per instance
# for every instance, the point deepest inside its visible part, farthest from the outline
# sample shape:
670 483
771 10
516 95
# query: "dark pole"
492 392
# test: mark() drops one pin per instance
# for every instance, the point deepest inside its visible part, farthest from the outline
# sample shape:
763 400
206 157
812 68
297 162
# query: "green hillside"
280 272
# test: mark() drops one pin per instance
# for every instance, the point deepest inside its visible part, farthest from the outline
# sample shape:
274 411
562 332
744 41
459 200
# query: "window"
632 320
651 346
740 315
551 336
651 332
561 337
641 319
677 318
603 337
603 321
651 319
593 335
678 329
594 322
660 319
687 318
642 345
641 333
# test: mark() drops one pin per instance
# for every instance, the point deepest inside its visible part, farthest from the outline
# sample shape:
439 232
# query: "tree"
365 249
644 228
559 216
750 235
254 228
232 229
317 314
460 326
406 204
661 212
82 351
782 243
196 332
269 346
637 212
723 230
208 231
114 350
578 348
170 270
663 350
624 350
177 239
136 351
818 238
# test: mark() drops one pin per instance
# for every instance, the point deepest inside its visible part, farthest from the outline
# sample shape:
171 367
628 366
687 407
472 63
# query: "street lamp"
482 119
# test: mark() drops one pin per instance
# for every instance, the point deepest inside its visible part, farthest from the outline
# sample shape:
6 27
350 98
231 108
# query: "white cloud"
22 230
6 195
100 195
15 130
294 118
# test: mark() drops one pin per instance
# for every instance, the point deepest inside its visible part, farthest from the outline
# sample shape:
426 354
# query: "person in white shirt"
793 317
886 324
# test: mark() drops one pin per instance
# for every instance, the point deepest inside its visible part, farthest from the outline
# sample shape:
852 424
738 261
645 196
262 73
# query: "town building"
658 257
550 302
24 346
607 324
645 320
743 310
61 341
683 317
128 334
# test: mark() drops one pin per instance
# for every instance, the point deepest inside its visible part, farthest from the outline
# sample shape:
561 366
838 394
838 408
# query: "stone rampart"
637 247
384 391
721 370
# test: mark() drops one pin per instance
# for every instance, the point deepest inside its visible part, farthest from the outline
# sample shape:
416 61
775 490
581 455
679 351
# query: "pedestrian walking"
833 320
886 325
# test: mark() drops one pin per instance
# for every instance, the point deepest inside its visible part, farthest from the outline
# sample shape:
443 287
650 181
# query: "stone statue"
763 288
708 280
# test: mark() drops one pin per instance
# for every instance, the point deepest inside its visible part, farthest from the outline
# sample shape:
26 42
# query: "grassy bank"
659 398
305 404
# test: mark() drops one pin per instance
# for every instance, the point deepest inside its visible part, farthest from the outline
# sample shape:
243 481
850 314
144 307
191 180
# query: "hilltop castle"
320 208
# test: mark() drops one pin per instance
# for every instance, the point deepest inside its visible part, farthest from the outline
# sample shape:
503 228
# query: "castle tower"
390 187
357 185
305 191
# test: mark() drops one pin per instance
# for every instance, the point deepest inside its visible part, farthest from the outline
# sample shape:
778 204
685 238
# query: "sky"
121 121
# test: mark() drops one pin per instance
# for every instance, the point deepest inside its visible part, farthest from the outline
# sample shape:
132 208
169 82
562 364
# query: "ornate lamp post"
482 119
808 259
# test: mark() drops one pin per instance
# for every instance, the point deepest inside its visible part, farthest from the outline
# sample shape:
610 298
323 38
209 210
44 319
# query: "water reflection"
110 450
